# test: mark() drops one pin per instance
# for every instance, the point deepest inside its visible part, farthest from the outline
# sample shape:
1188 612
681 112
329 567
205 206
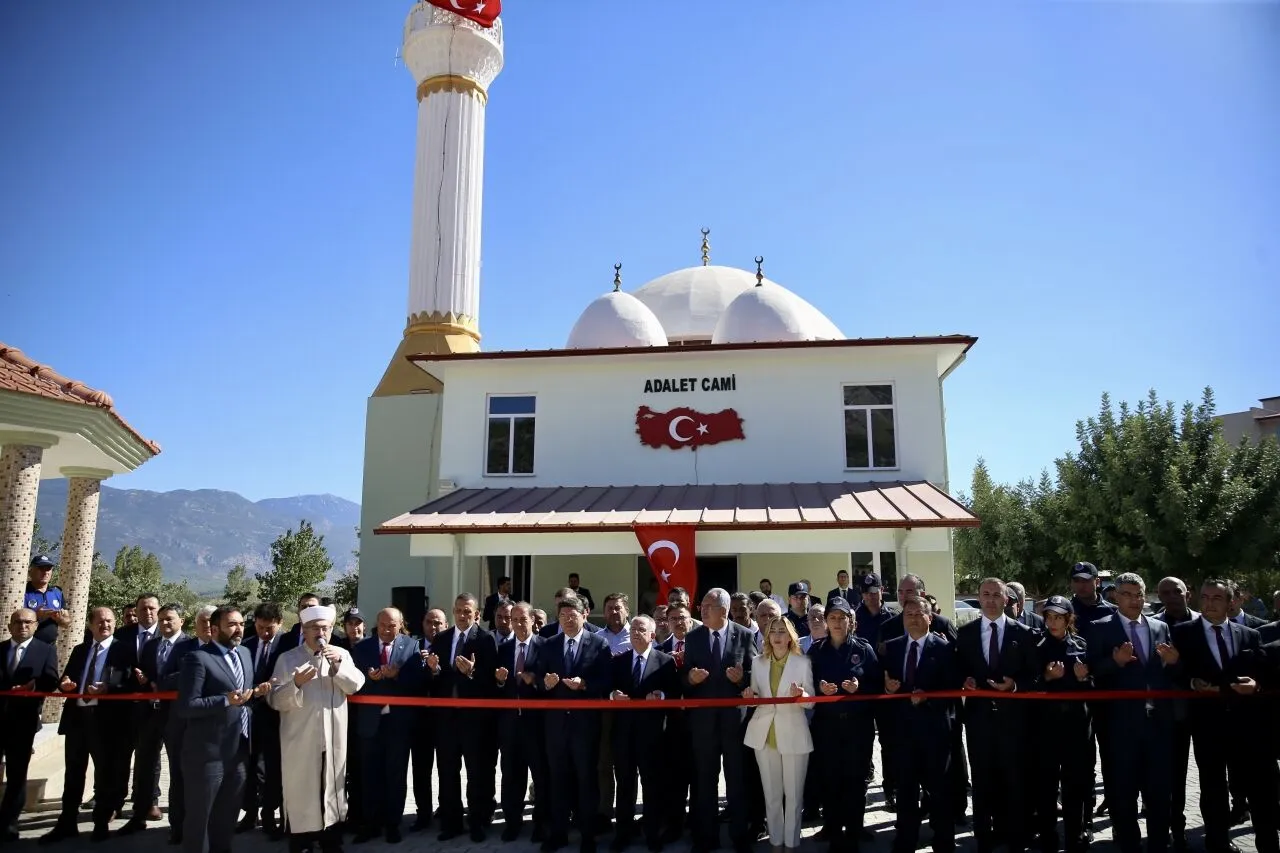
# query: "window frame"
511 449
867 407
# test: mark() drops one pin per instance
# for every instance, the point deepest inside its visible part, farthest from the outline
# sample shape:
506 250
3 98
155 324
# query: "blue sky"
206 206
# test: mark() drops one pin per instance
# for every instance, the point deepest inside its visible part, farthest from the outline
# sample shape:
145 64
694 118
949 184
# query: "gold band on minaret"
452 83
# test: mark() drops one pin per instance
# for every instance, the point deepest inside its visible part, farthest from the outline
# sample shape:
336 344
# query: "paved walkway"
48 764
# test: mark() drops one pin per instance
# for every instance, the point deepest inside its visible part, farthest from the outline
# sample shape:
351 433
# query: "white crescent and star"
675 433
670 546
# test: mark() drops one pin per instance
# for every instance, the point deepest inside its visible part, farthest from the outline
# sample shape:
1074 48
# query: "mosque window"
869 440
510 433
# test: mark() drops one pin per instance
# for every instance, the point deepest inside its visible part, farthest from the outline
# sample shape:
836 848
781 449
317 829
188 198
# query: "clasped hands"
795 691
501 674
551 679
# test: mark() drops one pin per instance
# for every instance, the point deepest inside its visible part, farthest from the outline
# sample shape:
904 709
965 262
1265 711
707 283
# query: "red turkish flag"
669 549
685 427
482 12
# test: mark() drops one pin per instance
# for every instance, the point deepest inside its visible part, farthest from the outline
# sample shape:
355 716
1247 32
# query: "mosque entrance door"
716 572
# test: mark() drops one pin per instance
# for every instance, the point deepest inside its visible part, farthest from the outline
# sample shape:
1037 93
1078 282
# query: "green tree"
345 589
300 563
41 544
241 590
136 572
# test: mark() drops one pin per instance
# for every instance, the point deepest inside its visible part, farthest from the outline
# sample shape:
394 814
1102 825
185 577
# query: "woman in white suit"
780 733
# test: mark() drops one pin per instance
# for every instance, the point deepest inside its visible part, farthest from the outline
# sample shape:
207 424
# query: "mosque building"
709 420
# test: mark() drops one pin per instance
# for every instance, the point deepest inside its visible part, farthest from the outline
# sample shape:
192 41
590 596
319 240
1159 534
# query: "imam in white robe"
313 738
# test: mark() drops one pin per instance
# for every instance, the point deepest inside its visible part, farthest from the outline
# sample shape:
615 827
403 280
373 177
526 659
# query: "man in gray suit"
214 691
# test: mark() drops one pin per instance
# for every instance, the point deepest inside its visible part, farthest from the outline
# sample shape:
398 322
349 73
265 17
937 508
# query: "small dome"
616 319
689 302
772 313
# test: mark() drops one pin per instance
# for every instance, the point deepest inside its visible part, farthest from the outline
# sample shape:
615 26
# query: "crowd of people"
263 735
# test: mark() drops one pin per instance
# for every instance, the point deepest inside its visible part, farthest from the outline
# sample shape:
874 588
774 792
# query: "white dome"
616 319
772 313
688 302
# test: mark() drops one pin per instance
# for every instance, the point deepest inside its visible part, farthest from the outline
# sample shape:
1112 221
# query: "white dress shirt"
96 675
1002 625
1212 637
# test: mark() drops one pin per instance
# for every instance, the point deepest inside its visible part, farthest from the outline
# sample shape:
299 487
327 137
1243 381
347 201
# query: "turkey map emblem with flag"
482 12
669 549
684 427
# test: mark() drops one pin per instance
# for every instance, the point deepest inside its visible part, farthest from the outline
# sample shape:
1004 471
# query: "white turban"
311 614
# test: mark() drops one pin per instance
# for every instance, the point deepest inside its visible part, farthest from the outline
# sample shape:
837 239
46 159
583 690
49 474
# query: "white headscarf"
311 614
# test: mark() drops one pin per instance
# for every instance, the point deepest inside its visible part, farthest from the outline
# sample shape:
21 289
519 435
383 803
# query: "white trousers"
782 777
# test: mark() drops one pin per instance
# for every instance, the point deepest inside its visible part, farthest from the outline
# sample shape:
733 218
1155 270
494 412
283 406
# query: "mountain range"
200 535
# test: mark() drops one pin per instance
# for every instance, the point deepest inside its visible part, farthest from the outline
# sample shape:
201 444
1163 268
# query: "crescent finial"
617 277
706 246
759 270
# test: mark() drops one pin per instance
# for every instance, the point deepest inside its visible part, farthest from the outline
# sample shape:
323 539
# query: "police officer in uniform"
798 611
1062 653
844 732
47 601
869 616
1091 608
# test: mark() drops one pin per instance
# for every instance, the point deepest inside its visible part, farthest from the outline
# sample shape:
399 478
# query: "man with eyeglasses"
26 664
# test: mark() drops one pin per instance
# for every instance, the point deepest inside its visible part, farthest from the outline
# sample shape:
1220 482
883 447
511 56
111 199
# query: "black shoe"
1239 815
510 832
393 835
421 824
554 843
101 832
60 833
478 834
247 823
364 834
449 834
134 824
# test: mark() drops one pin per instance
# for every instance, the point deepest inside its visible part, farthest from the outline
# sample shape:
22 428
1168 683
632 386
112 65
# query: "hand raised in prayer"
550 680
140 676
575 683
500 674
1004 685
25 688
526 677
1168 653
62 617
465 665
618 695
1245 686
697 675
827 688
891 684
748 693
1081 670
850 685
66 685
374 674
239 697
304 674
262 689
796 690
390 671
96 688
333 655
432 660
1202 686
970 683
917 696
734 674
1054 671
1123 655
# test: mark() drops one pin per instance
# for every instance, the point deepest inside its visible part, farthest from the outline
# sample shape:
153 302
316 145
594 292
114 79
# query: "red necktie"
386 654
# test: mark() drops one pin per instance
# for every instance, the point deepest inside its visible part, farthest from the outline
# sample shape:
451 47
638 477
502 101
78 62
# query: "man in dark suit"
26 664
520 731
582 592
921 661
1242 617
463 660
844 590
995 656
491 603
215 688
642 674
154 720
1128 651
552 628
263 786
1018 611
574 666
175 726
677 742
1224 657
423 747
92 730
392 667
127 652
717 665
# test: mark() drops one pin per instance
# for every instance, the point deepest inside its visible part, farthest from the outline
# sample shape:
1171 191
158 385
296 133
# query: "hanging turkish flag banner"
684 427
669 549
482 12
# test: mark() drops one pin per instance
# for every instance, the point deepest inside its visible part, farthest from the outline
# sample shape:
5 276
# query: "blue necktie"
238 671
568 658
636 672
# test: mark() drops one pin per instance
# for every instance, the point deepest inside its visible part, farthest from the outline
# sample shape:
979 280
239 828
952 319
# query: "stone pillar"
19 487
84 486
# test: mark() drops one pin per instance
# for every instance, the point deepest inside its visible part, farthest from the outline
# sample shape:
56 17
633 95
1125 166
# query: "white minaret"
453 61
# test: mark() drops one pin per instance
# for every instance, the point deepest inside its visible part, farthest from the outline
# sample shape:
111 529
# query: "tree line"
1152 489
300 563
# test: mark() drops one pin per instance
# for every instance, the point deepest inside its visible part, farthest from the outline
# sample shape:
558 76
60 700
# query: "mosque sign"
685 384
685 427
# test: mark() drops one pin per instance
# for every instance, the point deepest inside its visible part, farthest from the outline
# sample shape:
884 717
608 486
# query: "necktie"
1137 642
91 668
993 650
520 659
715 648
386 653
143 637
1224 653
913 660
568 657
238 671
162 654
637 671
459 638
679 646
17 658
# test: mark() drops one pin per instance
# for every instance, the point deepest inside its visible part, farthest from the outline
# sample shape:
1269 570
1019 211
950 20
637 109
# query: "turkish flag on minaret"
669 549
483 12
